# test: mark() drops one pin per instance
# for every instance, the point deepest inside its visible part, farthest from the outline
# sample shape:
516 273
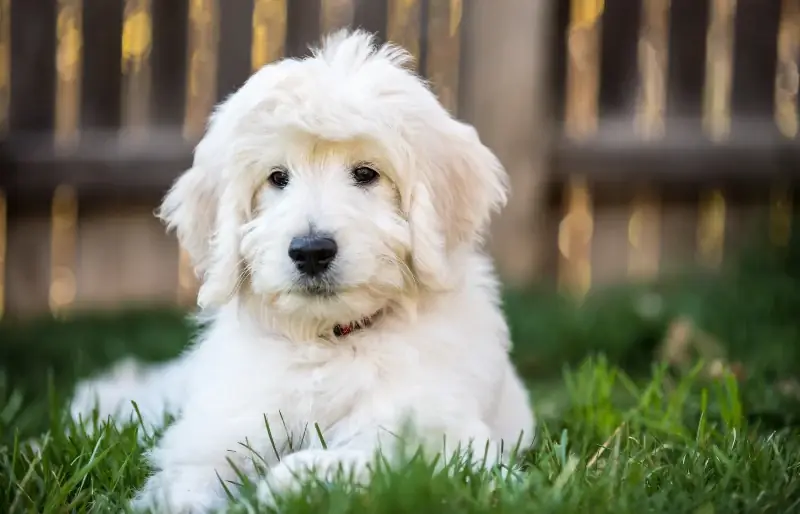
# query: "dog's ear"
207 222
461 183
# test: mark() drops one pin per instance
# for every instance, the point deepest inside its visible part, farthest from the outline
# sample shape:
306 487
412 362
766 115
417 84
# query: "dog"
336 215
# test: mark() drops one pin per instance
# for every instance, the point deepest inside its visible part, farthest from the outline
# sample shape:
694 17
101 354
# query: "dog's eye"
364 175
279 178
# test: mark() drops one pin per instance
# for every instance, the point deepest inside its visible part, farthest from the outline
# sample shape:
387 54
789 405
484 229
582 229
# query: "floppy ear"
207 219
461 183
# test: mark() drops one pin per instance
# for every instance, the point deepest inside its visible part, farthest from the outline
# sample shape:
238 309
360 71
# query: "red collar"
354 326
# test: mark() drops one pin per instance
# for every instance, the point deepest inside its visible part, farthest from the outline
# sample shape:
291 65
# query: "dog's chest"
325 387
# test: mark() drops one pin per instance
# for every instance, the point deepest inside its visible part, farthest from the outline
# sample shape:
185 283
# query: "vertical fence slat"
403 25
712 217
69 71
653 56
235 45
644 233
101 99
618 62
780 214
336 14
519 132
63 226
686 68
137 42
201 80
443 52
755 58
269 32
168 62
33 66
3 245
644 225
787 117
5 63
719 70
581 112
575 238
201 94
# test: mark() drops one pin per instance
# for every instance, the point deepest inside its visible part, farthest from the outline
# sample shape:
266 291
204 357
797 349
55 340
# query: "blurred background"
648 143
642 136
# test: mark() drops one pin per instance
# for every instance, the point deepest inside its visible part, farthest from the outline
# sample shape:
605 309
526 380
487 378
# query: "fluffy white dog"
335 211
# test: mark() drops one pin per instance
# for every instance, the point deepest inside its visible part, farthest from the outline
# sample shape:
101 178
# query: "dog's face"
330 188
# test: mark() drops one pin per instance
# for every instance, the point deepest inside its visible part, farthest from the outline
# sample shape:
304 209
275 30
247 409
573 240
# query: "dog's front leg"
193 460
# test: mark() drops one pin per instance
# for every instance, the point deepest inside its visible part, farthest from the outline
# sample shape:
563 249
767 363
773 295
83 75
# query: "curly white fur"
436 356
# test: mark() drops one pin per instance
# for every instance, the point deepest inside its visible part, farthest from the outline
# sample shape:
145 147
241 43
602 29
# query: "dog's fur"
434 358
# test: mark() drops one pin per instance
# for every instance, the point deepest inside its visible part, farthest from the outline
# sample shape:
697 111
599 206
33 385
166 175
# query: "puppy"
335 212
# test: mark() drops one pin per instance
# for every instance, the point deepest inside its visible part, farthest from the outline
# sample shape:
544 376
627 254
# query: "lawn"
681 396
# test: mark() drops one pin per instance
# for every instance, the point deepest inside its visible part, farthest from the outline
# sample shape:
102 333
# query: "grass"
620 431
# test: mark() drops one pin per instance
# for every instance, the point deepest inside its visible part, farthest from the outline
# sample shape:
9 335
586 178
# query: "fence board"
33 66
686 78
755 61
168 61
27 264
102 81
124 256
235 34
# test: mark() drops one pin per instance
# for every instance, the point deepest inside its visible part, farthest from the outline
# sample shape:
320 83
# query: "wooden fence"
640 134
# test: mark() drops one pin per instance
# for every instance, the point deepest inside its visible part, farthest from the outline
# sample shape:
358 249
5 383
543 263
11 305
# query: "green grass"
619 432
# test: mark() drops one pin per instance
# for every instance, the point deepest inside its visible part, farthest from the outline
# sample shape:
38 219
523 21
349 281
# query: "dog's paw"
180 491
317 467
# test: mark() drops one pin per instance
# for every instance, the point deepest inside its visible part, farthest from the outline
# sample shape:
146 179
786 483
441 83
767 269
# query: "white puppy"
335 211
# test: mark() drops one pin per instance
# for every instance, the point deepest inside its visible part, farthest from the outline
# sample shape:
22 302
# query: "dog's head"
333 186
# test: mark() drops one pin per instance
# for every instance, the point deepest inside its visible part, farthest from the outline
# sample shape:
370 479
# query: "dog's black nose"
312 254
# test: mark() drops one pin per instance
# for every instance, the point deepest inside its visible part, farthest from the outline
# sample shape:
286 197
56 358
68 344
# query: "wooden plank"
69 71
781 214
5 64
718 86
686 68
168 62
443 51
63 234
754 155
582 112
101 99
137 42
125 257
33 66
373 17
269 32
522 235
653 58
201 80
618 60
404 24
644 234
679 242
711 228
27 264
102 162
609 235
575 238
787 116
755 60
335 15
304 29
235 45
644 223
3 247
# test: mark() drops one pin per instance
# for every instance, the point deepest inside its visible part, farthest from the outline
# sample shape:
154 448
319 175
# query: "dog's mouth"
317 288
